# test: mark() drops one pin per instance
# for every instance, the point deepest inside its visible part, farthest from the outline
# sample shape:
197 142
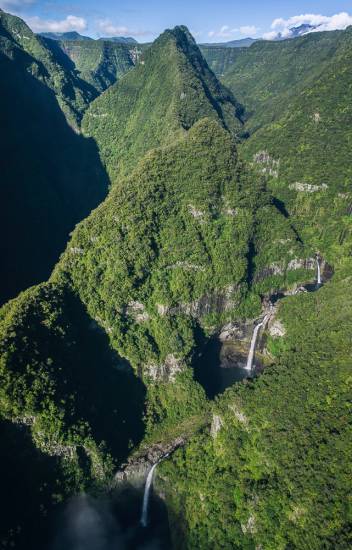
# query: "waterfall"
254 341
148 485
318 272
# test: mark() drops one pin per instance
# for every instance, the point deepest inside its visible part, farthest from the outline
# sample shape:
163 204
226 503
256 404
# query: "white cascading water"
148 484
318 272
147 487
250 358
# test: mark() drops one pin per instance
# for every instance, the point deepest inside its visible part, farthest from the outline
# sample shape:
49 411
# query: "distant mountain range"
120 39
246 42
241 43
305 28
79 37
64 36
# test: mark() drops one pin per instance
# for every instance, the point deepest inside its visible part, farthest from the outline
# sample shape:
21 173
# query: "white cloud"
270 35
224 32
107 27
283 27
249 30
70 23
227 32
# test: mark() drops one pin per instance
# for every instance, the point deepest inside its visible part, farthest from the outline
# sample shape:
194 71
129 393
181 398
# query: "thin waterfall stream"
250 358
147 489
318 272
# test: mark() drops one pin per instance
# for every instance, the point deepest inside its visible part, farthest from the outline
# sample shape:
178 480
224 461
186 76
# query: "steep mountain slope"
176 236
68 403
266 76
190 238
46 63
51 176
137 113
100 63
220 59
306 152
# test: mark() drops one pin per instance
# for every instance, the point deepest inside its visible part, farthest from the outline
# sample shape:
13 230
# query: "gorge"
177 250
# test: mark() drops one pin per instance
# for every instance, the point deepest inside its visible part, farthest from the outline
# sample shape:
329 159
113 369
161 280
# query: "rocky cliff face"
136 469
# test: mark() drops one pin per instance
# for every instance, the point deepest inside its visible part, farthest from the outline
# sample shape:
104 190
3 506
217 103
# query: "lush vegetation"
44 60
277 474
138 114
296 101
268 75
220 59
74 403
197 230
100 63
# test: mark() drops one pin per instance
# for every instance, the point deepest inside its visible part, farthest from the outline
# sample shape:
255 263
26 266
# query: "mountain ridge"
190 91
219 213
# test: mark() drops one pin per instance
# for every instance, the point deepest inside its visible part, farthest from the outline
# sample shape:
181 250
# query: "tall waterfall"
147 488
254 341
148 485
318 272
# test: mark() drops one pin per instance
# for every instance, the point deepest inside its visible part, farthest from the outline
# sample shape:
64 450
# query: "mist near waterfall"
88 523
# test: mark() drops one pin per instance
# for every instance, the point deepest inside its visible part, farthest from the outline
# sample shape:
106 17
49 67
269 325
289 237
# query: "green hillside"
277 473
220 59
43 60
138 114
311 144
100 63
219 201
268 75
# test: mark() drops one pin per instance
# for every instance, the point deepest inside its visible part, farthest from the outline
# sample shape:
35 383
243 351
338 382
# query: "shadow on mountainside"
61 362
51 177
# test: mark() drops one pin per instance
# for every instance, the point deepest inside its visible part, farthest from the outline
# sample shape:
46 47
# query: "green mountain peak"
138 113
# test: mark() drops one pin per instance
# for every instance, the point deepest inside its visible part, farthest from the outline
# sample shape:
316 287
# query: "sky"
208 20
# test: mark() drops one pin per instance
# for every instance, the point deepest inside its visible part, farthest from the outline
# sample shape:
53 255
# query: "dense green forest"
209 199
100 63
137 114
277 473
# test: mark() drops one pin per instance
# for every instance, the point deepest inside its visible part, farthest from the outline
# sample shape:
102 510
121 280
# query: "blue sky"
208 20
